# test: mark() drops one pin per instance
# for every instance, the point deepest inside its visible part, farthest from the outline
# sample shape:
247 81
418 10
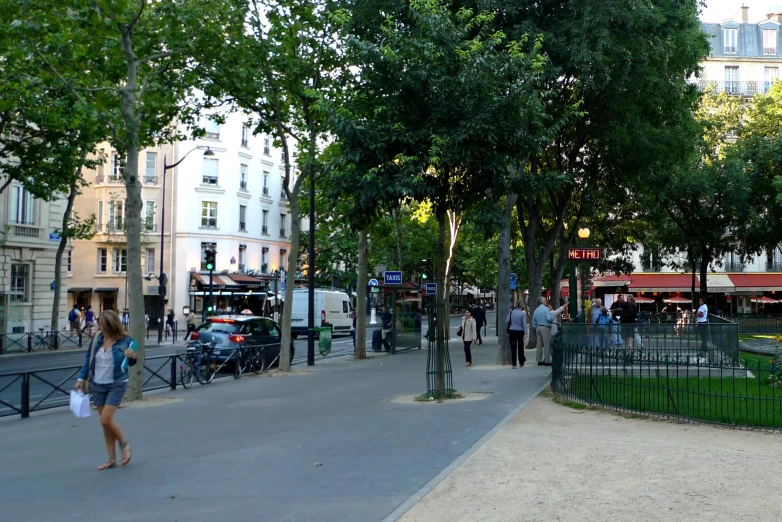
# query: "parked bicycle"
43 339
198 364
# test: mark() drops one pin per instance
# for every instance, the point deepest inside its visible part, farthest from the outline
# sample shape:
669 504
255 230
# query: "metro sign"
584 254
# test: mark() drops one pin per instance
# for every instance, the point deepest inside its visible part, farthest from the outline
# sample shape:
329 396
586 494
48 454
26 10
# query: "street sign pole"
573 290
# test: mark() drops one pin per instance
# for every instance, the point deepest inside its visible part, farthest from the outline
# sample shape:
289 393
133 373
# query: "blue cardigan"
119 355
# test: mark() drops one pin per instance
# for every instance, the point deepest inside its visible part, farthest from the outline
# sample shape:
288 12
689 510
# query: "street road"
55 370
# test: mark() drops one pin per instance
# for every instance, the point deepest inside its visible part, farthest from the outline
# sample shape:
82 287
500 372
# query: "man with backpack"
74 318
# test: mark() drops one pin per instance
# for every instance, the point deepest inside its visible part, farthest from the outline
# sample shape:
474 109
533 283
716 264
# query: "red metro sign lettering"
584 254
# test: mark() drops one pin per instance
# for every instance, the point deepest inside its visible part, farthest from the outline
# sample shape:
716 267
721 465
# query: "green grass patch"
747 337
425 397
573 404
755 360
734 399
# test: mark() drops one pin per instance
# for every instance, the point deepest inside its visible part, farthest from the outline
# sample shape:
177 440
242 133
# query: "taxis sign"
584 254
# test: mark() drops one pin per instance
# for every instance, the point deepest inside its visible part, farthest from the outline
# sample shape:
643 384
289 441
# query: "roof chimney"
744 13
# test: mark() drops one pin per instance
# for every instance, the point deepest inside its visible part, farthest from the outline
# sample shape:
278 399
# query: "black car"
230 332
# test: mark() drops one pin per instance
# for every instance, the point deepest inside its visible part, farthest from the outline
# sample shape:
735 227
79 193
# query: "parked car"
232 331
332 308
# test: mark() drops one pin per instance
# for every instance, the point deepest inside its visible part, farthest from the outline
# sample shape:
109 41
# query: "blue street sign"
513 277
513 285
392 278
431 288
54 236
51 286
373 282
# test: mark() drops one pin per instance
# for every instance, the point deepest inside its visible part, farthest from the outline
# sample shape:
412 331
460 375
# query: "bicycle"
198 364
248 359
41 340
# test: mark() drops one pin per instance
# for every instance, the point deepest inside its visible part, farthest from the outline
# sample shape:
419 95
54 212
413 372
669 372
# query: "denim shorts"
110 394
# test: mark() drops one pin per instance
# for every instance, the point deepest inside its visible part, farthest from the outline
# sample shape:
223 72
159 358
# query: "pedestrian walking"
703 330
74 318
89 320
595 313
479 315
190 321
542 320
385 318
106 369
352 315
627 319
467 331
125 320
170 321
517 327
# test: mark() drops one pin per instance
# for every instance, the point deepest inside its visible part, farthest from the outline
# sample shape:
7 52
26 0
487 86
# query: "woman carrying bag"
105 375
469 334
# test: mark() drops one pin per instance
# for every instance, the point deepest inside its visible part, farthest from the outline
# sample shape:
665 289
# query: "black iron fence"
757 324
41 340
674 373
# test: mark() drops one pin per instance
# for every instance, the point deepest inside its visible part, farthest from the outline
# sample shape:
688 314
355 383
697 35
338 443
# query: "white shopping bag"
80 404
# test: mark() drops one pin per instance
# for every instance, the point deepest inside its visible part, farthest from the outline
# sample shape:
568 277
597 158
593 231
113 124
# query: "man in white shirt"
703 330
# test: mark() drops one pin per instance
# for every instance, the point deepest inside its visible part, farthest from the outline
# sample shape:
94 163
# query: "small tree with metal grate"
439 375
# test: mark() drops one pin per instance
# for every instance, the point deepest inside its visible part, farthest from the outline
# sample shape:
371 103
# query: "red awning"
612 280
756 282
242 278
198 278
661 283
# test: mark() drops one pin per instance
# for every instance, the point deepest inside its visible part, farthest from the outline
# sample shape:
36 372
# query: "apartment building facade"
745 58
28 246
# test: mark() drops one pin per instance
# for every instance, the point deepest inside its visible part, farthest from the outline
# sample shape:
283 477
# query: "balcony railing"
266 191
244 142
730 49
109 179
736 88
282 232
648 267
774 266
265 229
243 185
734 266
213 135
242 226
150 180
150 227
770 50
26 231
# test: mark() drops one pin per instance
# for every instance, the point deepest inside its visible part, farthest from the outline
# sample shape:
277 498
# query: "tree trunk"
503 288
290 283
398 226
704 270
691 257
133 204
444 322
66 218
361 295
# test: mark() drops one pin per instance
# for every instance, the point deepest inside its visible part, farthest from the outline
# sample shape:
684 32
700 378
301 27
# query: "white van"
332 307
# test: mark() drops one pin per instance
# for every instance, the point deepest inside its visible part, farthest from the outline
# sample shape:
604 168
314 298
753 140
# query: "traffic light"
424 269
210 260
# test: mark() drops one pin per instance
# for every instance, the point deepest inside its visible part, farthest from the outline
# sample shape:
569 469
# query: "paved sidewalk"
324 445
552 462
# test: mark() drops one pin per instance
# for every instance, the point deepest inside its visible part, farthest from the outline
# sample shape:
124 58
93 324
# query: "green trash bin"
324 339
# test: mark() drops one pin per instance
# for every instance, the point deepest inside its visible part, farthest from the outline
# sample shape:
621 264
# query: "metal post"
161 287
173 372
311 275
25 406
211 289
573 290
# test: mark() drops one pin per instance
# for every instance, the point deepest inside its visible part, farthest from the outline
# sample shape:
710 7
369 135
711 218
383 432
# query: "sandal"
126 453
111 463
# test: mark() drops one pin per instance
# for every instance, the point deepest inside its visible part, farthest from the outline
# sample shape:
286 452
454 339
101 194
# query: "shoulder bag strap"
92 355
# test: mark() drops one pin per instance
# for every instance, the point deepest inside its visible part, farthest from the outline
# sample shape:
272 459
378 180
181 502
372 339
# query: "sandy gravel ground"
552 462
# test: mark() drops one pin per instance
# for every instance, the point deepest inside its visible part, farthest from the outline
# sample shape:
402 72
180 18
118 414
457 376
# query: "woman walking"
517 326
109 378
89 321
469 334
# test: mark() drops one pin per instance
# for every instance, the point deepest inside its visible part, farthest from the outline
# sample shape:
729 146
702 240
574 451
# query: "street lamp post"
583 234
162 279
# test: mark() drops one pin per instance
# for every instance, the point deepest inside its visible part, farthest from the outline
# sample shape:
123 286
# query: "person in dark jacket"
479 315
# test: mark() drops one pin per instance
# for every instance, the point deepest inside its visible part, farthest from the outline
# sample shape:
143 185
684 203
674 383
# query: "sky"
720 10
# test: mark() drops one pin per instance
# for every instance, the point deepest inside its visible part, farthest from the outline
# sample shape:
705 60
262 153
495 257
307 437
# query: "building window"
70 259
264 265
266 183
243 176
120 260
770 41
245 135
732 79
100 214
22 206
103 260
283 260
150 261
150 176
204 248
242 257
265 222
117 167
770 75
209 214
212 129
149 216
116 215
20 283
210 171
242 218
283 195
283 218
730 38
267 145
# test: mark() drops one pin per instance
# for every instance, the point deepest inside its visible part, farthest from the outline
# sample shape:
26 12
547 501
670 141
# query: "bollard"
173 372
25 406
80 339
29 343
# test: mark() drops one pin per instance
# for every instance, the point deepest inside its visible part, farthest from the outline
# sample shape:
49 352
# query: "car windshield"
219 327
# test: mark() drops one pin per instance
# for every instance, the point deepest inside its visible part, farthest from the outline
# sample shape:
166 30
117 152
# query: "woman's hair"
110 325
467 311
